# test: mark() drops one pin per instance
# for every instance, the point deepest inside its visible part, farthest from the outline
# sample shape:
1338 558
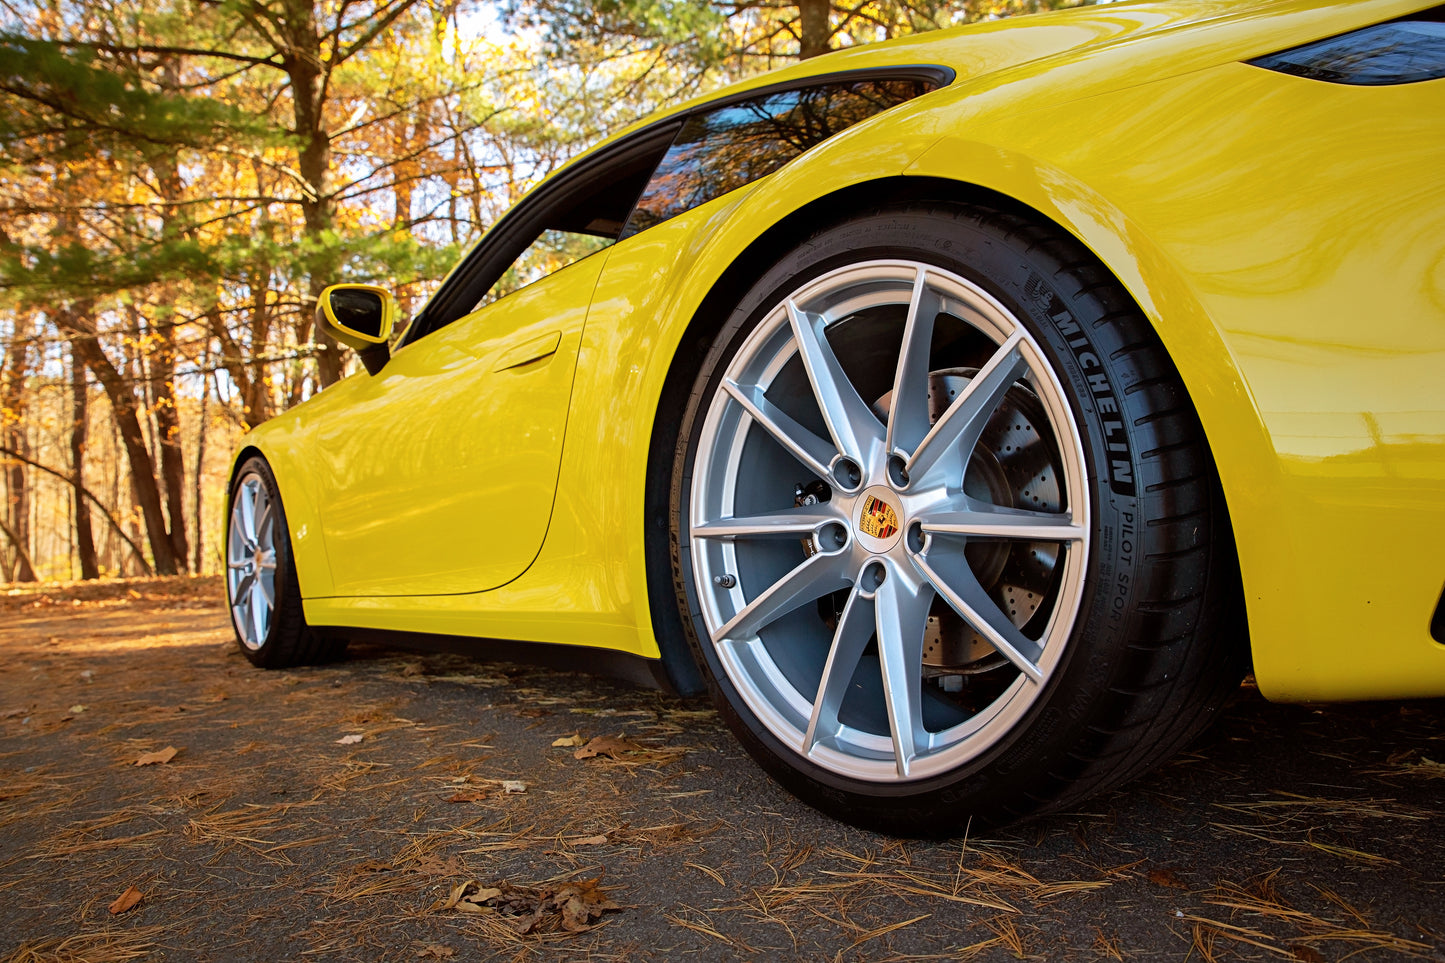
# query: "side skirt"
608 663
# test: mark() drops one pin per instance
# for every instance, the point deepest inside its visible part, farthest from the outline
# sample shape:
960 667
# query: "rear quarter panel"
1287 239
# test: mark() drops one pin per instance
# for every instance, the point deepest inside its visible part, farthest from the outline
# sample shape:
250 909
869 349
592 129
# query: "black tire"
1157 642
280 637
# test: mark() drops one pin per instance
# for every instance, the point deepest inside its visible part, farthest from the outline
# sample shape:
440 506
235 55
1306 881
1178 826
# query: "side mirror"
360 316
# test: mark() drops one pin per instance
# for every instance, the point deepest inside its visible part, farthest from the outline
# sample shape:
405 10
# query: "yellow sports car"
965 412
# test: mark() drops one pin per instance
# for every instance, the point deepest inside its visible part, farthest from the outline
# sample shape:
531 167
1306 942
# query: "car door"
441 476
444 469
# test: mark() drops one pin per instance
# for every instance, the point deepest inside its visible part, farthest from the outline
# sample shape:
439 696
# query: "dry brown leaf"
350 740
469 795
575 906
613 746
591 841
126 900
1166 876
436 951
513 786
568 741
625 750
152 758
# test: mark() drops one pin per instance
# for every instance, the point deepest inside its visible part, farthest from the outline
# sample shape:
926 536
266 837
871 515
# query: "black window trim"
473 277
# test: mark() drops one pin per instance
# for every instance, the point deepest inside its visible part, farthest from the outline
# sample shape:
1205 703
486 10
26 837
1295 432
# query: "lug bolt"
724 581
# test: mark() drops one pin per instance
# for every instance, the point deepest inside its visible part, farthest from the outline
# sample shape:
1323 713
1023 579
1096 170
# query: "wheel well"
240 459
773 243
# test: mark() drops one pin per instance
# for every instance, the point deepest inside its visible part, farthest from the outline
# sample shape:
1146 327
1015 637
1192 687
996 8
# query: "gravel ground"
401 807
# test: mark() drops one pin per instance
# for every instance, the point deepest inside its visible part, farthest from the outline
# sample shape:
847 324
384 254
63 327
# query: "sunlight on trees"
180 179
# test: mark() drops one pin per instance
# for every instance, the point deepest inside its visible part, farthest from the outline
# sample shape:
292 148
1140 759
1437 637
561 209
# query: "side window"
724 149
1405 51
579 212
552 251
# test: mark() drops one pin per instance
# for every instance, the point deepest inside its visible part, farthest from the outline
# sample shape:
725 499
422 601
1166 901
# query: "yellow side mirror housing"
361 317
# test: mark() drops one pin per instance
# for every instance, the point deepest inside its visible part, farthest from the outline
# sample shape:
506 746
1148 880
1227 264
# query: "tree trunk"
303 64
815 30
79 427
142 469
12 434
168 439
201 426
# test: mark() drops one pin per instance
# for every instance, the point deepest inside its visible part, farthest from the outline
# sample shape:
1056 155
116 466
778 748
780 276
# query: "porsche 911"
968 413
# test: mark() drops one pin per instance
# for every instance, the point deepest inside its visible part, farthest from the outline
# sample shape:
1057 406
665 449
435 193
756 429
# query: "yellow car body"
1284 236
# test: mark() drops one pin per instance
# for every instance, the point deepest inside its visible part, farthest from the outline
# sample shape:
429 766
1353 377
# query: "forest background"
179 179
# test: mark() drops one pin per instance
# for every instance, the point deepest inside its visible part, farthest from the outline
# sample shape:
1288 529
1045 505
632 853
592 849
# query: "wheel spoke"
268 560
960 426
244 585
995 521
908 419
902 613
855 629
268 587
241 611
815 453
260 611
265 525
237 544
246 502
968 598
788 523
850 421
814 578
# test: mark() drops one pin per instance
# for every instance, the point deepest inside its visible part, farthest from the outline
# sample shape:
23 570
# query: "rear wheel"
261 585
916 539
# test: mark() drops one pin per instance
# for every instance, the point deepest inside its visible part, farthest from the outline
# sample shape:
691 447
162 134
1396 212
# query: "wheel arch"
849 201
313 570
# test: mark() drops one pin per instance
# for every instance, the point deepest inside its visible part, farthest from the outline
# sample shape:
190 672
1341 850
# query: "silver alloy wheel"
251 561
900 614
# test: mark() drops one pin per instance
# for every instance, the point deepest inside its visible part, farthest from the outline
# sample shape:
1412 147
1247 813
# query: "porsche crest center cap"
876 520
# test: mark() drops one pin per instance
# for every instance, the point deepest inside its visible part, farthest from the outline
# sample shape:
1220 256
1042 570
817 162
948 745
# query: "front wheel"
946 530
262 590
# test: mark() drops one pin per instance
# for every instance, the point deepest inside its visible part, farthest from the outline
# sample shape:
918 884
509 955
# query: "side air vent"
1404 51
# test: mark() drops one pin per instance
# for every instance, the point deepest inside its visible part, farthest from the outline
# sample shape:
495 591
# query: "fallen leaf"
125 901
76 710
591 841
613 746
533 712
436 951
1307 954
152 758
513 786
350 740
470 795
1165 876
574 906
625 750
568 741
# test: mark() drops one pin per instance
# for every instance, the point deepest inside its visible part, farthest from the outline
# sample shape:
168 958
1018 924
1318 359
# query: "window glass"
1402 52
719 151
549 253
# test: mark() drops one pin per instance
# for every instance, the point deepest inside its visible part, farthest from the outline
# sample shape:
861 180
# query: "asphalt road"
489 811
